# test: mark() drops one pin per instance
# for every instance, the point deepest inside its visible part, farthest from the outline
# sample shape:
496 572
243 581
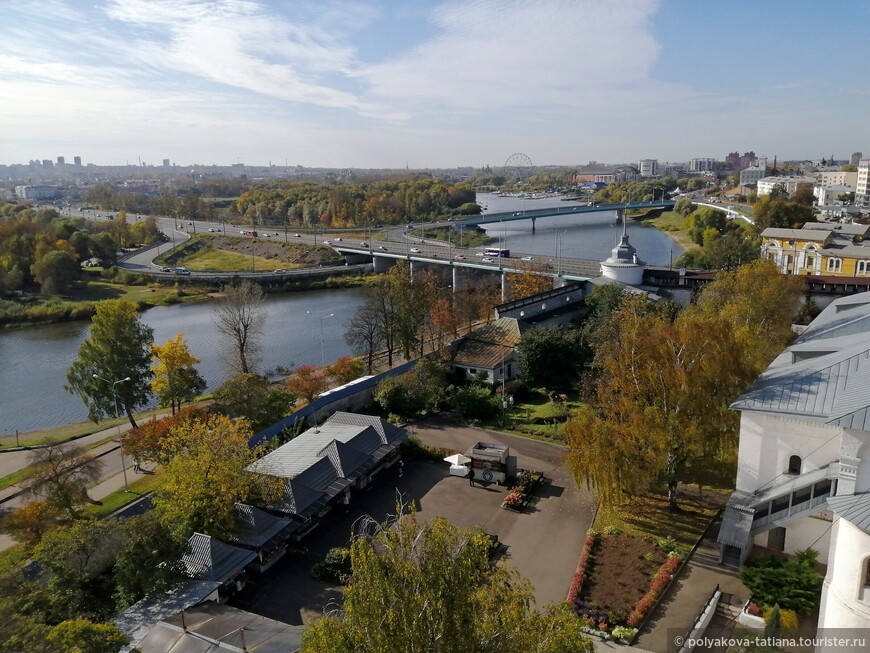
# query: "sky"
431 84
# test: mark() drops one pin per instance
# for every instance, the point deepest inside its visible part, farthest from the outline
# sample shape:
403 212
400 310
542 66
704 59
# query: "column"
533 225
504 286
455 272
411 268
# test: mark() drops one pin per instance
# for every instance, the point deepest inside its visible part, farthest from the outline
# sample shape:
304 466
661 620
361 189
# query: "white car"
527 258
415 250
479 254
486 260
211 231
297 235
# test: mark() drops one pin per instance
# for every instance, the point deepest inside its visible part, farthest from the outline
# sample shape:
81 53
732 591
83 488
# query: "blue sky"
346 83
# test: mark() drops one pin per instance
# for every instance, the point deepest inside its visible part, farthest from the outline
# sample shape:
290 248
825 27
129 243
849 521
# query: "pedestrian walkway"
688 594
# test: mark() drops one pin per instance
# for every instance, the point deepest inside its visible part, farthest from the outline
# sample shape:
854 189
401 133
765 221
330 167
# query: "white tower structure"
623 265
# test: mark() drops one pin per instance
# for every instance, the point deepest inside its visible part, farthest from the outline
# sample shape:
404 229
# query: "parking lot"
543 542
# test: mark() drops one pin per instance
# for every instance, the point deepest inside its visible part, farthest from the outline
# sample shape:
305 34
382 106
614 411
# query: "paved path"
686 597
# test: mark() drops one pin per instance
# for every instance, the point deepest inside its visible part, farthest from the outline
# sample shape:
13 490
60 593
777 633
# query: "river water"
34 360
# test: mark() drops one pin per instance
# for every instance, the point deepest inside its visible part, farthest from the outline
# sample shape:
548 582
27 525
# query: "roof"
390 434
142 615
797 234
213 627
488 346
255 527
210 559
824 375
853 508
852 228
736 526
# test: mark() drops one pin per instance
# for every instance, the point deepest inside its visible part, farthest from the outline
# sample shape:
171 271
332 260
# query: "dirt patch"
279 251
621 574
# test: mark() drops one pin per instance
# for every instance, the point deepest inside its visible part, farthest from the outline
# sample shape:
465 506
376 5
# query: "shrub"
786 618
335 568
587 558
792 583
624 633
658 586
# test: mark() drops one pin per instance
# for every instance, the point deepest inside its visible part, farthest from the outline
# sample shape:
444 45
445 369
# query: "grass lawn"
210 259
143 295
538 417
120 498
674 225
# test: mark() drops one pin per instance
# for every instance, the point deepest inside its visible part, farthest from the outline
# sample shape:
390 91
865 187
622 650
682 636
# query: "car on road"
363 244
297 235
527 258
415 250
210 230
479 254
486 259
338 240
182 271
280 271
265 235
326 242
242 232
459 257
382 248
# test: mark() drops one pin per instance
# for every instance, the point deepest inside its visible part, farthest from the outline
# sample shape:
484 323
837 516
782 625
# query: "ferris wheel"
517 167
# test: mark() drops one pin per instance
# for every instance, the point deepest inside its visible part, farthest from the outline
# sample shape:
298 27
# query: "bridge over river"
534 214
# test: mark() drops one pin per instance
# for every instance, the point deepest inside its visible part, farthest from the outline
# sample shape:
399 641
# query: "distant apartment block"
47 163
77 160
736 161
828 178
752 174
789 183
855 159
702 165
61 161
648 167
862 184
165 163
36 193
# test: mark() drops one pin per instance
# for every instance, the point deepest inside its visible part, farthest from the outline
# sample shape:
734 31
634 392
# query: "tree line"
39 249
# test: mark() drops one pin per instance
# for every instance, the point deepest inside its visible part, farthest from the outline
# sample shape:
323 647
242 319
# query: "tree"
345 369
150 560
239 317
253 397
206 477
782 214
307 381
474 402
526 284
706 218
31 521
20 633
793 583
83 636
62 475
56 272
803 194
405 305
79 556
422 389
151 441
118 347
176 380
684 206
551 357
429 587
365 333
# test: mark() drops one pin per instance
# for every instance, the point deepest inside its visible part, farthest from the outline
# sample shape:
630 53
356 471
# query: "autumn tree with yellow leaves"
176 379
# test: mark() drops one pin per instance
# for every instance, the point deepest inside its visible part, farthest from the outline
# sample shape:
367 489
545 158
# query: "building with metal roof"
490 349
803 472
258 531
208 558
320 466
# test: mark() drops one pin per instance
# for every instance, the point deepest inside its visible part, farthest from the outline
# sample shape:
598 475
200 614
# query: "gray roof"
390 434
255 527
210 559
853 508
213 627
852 228
139 617
736 526
824 376
797 234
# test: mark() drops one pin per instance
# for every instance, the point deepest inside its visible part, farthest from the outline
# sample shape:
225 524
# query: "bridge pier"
504 286
382 264
411 268
533 225
455 276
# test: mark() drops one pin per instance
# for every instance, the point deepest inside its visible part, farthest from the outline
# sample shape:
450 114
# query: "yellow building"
822 249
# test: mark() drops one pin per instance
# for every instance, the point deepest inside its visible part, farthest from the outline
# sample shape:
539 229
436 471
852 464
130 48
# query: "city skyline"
434 85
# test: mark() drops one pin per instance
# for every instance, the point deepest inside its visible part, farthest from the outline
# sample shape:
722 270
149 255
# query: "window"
811 262
863 267
794 465
834 265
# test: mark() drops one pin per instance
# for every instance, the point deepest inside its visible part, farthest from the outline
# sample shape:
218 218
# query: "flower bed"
659 584
523 490
611 591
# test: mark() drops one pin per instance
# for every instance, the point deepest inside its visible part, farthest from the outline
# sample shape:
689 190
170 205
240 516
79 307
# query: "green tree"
176 380
684 206
118 347
56 272
474 402
79 557
781 213
429 587
255 398
20 633
422 389
803 194
83 636
793 583
706 218
551 357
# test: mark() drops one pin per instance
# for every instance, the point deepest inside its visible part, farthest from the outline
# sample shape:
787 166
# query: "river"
34 360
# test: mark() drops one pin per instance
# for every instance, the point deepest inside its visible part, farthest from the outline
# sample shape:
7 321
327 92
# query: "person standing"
471 476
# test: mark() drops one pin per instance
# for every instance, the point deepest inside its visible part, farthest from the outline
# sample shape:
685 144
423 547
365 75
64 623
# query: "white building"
829 195
789 183
837 178
648 167
862 185
752 174
803 471
36 193
702 165
623 265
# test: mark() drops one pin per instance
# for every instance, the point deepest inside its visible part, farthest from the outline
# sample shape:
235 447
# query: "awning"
457 459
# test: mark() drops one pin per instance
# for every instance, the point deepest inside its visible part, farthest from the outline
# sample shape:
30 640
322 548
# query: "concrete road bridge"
553 211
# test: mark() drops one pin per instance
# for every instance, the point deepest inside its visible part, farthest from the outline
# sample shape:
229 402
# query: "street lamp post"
322 317
117 415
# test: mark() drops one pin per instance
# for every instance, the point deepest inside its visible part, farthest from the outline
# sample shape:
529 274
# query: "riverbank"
671 224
